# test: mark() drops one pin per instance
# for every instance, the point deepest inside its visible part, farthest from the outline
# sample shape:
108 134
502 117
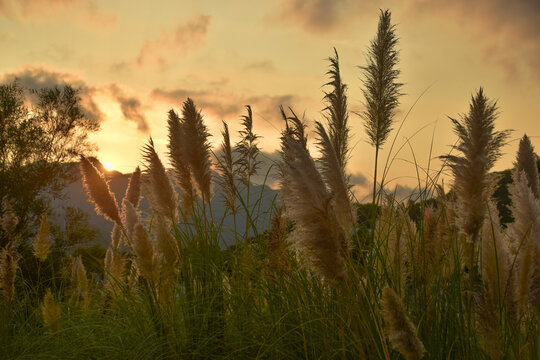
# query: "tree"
36 144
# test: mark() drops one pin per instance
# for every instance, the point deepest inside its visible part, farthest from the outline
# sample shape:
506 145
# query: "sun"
108 166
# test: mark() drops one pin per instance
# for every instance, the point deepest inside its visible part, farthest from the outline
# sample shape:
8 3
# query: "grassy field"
440 278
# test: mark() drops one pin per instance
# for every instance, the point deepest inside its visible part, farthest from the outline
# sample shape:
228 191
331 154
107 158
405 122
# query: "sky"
133 60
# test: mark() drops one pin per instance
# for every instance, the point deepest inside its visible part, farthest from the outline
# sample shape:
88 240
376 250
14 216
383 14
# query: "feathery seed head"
381 90
317 234
227 167
116 236
161 193
526 163
51 312
42 242
335 179
178 155
480 146
247 149
145 257
98 190
133 191
130 217
336 113
79 282
400 330
198 155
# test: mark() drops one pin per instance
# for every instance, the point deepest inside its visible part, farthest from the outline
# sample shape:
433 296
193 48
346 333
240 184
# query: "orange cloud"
40 77
184 38
508 32
30 9
226 105
318 16
131 108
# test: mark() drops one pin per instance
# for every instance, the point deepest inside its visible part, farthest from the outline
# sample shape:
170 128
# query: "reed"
99 192
42 242
381 88
179 159
400 330
51 312
162 195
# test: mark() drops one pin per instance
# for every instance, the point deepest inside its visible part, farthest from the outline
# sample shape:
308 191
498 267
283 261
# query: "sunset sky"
135 59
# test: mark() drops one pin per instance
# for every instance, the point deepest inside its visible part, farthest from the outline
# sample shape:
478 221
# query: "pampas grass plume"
98 190
178 155
317 234
161 192
133 191
42 242
145 257
400 330
8 270
79 282
51 312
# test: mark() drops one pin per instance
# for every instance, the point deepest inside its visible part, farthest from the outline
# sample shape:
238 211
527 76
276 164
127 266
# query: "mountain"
75 197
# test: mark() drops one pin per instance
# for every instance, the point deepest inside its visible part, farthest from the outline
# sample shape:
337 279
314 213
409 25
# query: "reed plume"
336 180
42 242
130 217
8 270
382 91
160 190
133 191
79 283
179 159
336 113
496 301
317 234
400 330
168 251
526 162
115 266
9 219
295 126
98 190
247 149
198 154
145 257
524 233
227 167
116 236
479 145
51 312
277 244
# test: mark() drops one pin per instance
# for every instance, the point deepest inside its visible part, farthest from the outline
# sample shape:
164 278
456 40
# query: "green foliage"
37 142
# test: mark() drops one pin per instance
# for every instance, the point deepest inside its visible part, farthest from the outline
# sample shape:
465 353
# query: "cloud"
184 38
39 77
263 66
508 32
225 105
31 9
131 108
319 16
358 179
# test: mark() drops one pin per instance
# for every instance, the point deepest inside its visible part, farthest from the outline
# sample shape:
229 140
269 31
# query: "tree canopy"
41 131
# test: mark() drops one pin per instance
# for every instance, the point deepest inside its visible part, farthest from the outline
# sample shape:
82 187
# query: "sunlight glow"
108 166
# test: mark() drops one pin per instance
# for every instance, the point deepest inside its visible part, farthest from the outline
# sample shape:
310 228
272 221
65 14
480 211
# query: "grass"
414 275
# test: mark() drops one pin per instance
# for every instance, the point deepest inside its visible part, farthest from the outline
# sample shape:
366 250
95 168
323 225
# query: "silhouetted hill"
75 196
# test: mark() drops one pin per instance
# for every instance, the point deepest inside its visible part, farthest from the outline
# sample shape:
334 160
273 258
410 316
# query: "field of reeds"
445 281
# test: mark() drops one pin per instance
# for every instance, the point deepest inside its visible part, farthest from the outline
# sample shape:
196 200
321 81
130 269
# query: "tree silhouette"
41 131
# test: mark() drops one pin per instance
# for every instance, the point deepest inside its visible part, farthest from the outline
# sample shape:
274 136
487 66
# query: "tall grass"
314 283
